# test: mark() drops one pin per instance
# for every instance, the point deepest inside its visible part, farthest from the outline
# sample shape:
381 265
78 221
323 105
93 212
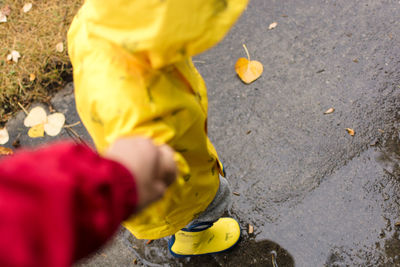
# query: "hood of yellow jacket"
160 31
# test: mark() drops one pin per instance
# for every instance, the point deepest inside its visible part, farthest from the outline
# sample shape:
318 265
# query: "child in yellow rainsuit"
133 75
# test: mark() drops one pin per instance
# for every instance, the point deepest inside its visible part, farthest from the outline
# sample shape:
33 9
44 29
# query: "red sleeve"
59 203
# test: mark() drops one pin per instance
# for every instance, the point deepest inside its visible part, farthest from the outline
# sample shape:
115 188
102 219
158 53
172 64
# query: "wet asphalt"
315 195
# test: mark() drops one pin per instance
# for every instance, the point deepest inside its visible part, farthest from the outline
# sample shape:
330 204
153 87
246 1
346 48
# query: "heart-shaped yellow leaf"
247 69
54 124
36 116
36 131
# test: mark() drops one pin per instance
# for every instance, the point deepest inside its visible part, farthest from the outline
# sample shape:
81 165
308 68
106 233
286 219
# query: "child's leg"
217 207
208 233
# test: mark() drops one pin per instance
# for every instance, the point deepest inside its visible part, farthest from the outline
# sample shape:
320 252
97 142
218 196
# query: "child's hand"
152 166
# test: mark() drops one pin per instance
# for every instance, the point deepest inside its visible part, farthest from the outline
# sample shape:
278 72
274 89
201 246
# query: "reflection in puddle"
248 252
252 253
388 156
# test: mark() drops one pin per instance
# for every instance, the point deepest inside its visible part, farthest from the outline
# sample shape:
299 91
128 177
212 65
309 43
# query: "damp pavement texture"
315 195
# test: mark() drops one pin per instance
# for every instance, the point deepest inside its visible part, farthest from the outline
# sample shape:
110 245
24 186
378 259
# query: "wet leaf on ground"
4 137
54 124
350 131
272 25
329 111
41 123
4 151
248 70
36 131
36 116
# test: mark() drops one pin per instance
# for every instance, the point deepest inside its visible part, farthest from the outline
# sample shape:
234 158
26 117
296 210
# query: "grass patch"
34 35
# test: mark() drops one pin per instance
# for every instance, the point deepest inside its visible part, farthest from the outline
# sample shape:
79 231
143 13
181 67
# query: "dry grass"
34 35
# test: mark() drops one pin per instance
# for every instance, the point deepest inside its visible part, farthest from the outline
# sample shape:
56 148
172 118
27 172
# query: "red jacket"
60 203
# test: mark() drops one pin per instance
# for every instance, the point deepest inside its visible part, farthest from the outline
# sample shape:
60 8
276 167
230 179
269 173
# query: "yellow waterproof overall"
134 76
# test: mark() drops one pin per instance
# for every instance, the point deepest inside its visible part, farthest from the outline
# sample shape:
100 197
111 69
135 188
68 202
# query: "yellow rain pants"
134 76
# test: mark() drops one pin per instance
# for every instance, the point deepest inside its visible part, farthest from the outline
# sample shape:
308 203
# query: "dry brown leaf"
247 69
36 131
60 47
4 151
273 25
329 111
350 131
27 7
251 229
4 137
32 77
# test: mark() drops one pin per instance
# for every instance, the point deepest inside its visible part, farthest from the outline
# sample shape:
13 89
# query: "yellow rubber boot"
215 238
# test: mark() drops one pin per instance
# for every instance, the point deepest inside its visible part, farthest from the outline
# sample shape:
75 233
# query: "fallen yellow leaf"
54 124
36 131
350 131
3 136
3 17
60 47
273 25
27 7
329 111
6 10
36 116
4 151
13 56
247 69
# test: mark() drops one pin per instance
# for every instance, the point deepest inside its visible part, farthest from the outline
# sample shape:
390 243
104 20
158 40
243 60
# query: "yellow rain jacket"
133 75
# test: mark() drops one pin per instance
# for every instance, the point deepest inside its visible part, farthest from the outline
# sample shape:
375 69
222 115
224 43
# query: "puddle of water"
349 220
248 252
